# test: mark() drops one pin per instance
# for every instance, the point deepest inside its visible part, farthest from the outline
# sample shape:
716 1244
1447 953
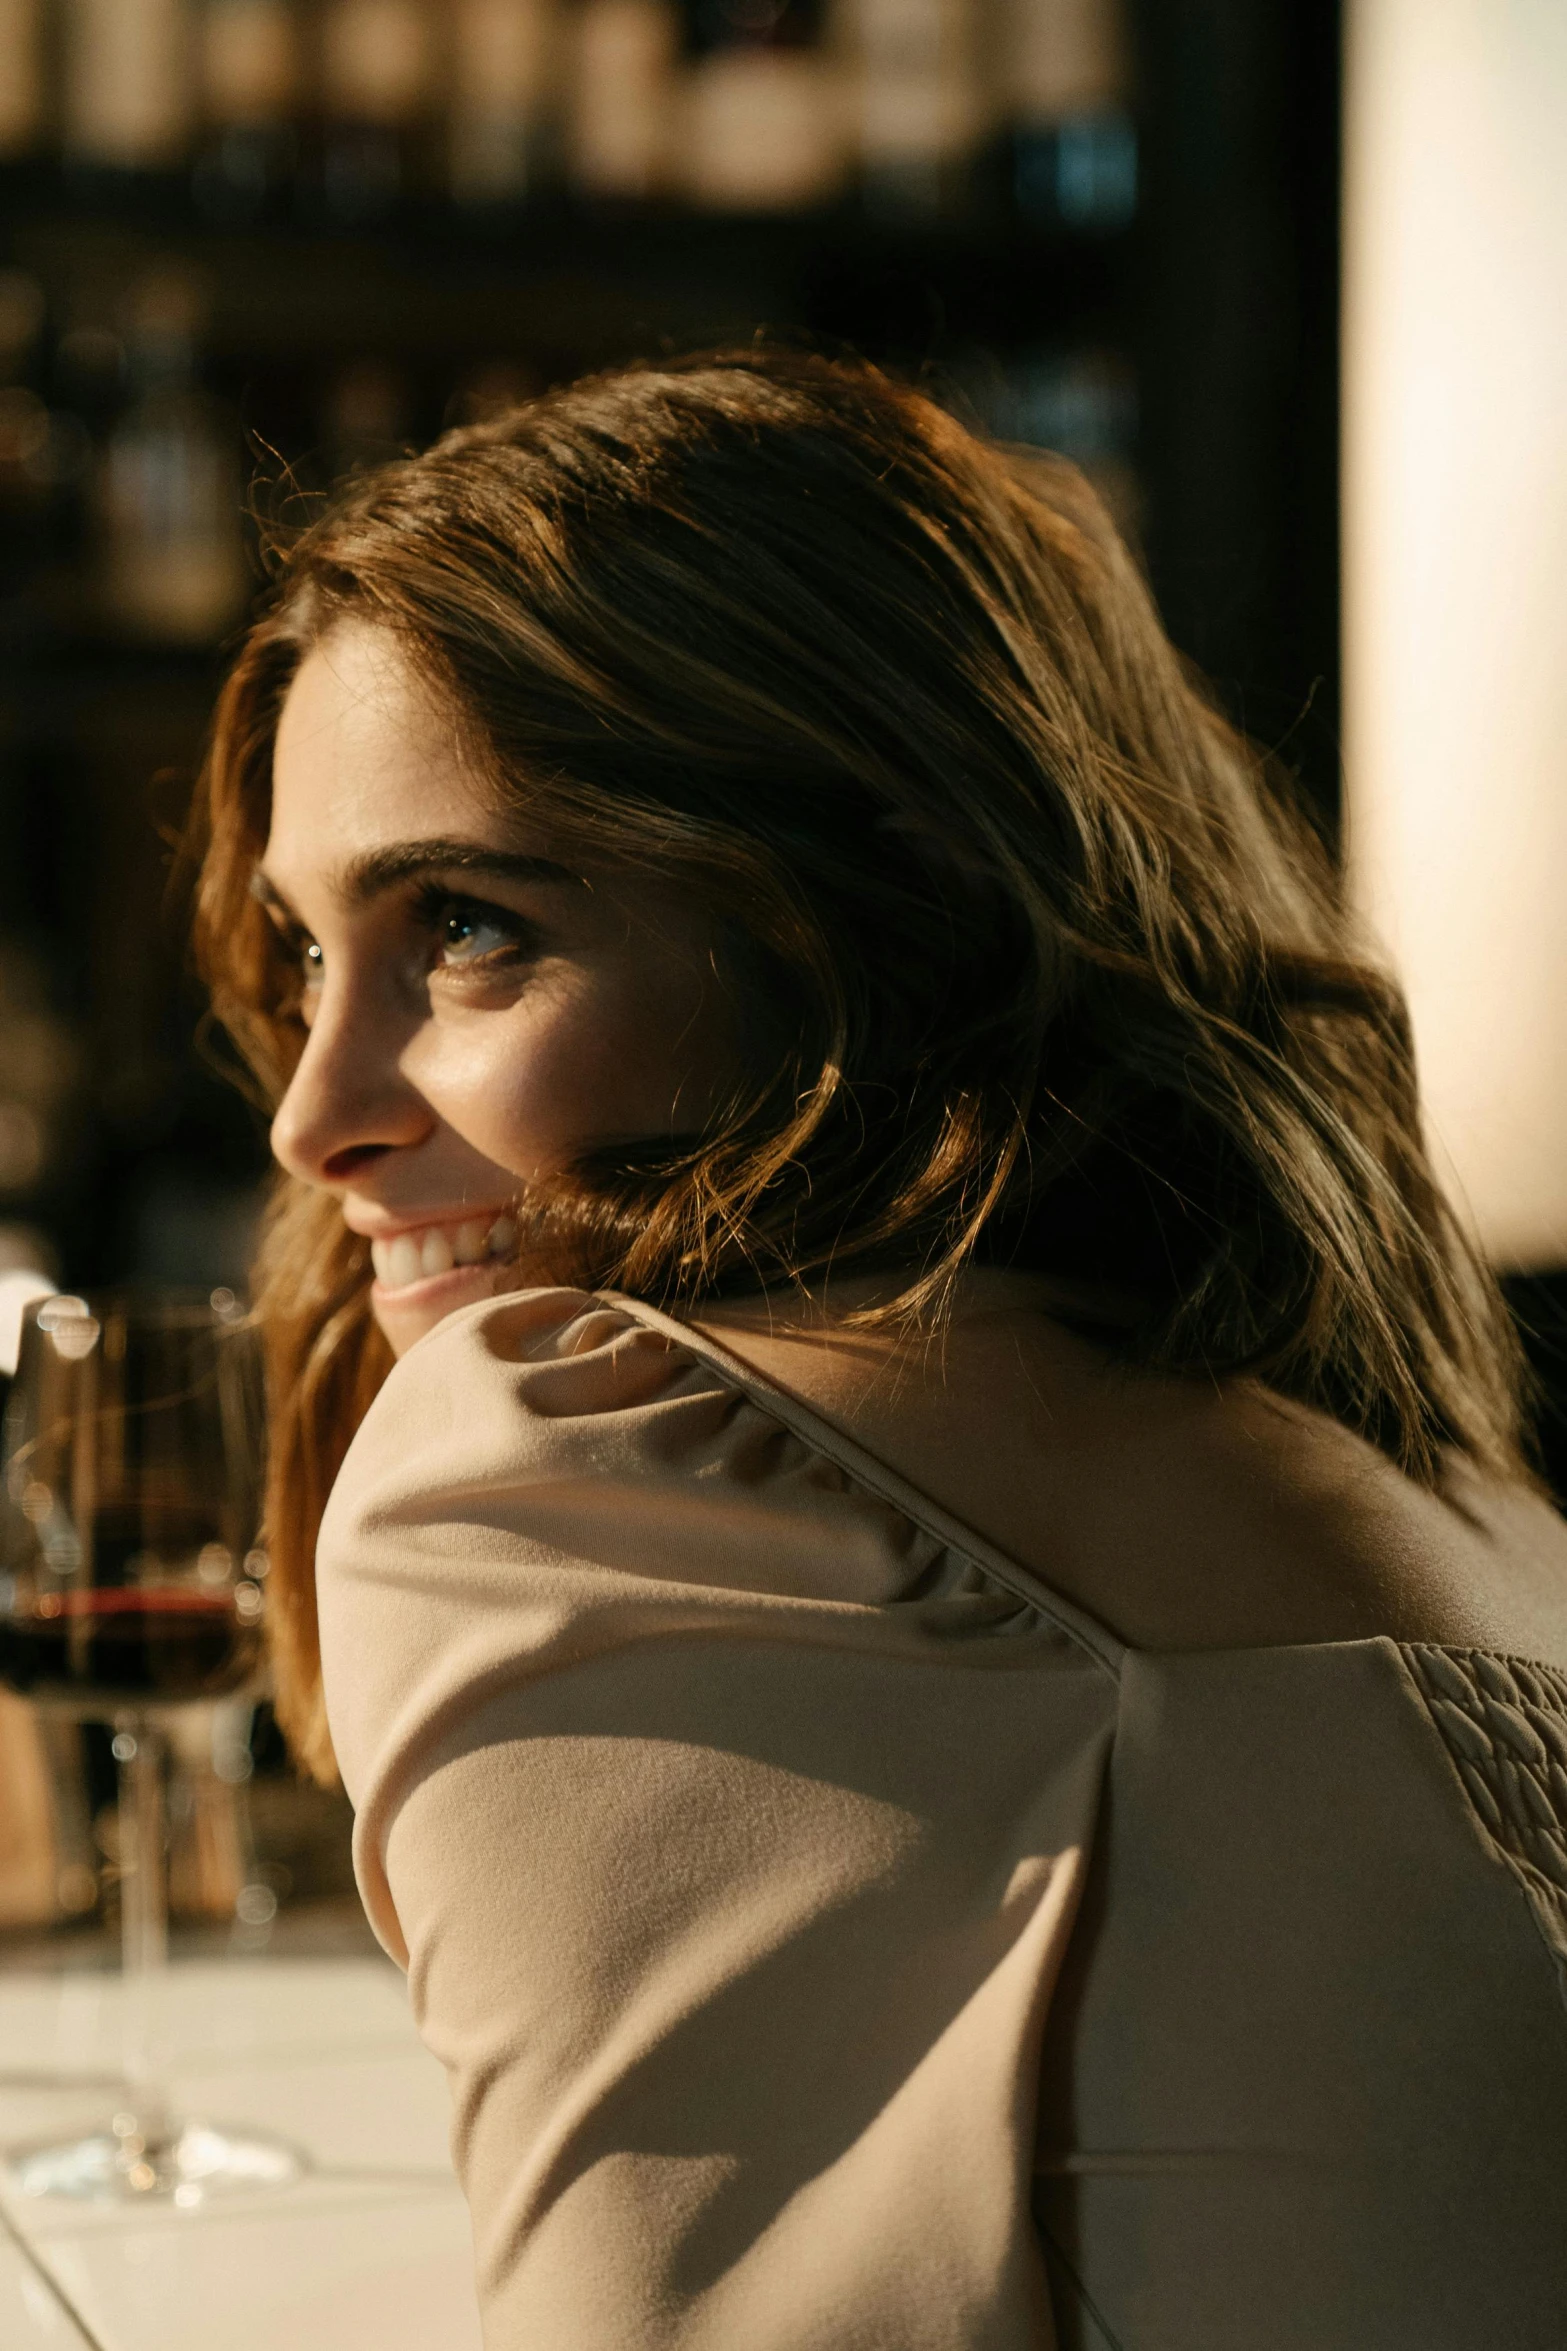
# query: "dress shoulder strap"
794 1414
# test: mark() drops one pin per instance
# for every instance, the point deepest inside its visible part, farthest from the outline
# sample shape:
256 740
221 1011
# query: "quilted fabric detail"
1504 1722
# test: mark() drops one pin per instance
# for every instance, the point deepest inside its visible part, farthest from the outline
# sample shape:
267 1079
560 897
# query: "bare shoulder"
1183 1514
1316 1536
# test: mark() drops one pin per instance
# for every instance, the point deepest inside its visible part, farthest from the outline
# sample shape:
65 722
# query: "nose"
348 1102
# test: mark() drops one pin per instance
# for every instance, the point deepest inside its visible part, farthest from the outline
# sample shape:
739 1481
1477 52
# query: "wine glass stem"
144 1918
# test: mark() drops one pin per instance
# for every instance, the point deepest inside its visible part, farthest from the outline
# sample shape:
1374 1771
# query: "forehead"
366 755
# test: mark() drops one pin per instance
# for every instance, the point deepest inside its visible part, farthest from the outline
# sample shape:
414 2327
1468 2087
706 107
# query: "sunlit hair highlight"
1042 965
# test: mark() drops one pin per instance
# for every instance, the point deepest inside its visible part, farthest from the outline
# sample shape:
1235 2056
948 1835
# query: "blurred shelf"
570 280
436 297
164 205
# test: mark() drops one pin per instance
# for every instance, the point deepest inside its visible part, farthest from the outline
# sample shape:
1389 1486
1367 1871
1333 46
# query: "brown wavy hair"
1045 966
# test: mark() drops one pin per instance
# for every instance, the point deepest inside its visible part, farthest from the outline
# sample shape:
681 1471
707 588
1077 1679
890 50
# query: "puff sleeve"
729 1824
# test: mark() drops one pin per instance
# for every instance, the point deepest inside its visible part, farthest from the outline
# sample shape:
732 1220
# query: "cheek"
583 1062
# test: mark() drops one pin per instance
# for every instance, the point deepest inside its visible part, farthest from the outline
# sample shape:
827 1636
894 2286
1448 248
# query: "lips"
440 1248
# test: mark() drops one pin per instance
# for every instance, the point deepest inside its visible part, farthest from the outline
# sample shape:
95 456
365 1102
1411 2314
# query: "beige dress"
837 1942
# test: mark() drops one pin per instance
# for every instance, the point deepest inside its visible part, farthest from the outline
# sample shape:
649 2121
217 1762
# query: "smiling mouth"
436 1249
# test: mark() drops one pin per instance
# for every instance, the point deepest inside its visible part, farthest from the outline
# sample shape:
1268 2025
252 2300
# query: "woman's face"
477 1014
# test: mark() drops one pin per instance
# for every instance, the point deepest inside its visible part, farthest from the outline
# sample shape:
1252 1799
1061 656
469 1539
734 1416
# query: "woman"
926 1634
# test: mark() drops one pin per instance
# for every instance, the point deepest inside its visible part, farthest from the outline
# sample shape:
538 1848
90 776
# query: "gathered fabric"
837 1941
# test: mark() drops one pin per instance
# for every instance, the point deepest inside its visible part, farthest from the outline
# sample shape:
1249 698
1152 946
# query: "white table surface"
368 2251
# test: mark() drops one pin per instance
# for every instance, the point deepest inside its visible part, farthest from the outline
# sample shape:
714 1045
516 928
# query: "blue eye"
469 931
465 935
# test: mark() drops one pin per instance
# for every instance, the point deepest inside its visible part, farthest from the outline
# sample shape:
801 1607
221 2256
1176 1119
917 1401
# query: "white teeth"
403 1263
438 1248
435 1254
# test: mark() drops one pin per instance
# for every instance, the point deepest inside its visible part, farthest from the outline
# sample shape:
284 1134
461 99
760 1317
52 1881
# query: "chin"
405 1314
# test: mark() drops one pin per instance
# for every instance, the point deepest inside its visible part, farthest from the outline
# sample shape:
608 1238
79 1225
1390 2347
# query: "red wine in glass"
129 1518
165 1618
99 1651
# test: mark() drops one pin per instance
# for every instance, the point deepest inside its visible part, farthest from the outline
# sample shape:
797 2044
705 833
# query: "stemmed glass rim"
169 1305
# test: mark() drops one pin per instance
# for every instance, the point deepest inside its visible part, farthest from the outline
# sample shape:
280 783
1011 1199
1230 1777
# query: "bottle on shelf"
621 95
86 385
24 437
379 67
45 455
248 82
40 1071
89 370
919 94
367 416
127 84
22 110
1073 141
763 110
1078 400
172 548
502 115
490 390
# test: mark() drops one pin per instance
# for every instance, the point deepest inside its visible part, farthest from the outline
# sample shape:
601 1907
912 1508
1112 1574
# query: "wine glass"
133 1439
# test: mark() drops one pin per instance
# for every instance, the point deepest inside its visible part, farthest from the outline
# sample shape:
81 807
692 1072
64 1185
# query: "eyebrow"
380 870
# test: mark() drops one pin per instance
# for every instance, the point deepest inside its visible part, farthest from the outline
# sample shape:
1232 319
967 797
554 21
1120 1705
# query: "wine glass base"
196 2163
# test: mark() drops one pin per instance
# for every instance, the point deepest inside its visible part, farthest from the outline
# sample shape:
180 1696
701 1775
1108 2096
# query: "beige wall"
1456 572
